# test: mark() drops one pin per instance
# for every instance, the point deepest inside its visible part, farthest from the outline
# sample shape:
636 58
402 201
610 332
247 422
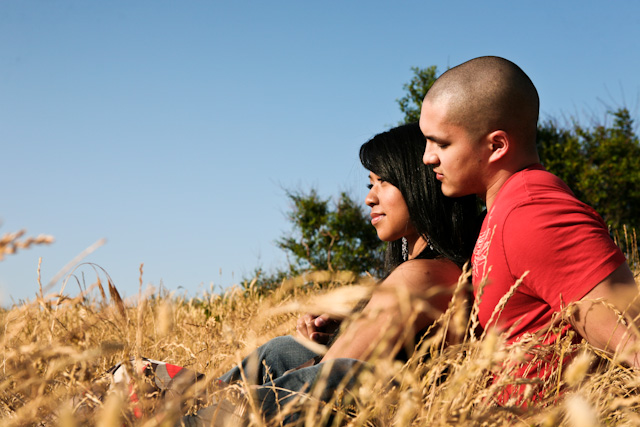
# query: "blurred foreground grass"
56 351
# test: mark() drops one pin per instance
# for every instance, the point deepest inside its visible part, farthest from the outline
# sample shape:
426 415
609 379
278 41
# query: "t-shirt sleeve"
564 245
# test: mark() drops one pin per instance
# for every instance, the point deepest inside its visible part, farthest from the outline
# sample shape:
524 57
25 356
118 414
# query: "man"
479 120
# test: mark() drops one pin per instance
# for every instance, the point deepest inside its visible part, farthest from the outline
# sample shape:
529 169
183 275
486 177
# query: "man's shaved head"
487 94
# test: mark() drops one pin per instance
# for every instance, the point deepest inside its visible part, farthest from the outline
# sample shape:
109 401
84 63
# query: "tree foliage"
601 164
330 236
416 89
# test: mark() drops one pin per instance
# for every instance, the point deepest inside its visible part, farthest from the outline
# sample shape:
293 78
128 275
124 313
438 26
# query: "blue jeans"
266 368
270 361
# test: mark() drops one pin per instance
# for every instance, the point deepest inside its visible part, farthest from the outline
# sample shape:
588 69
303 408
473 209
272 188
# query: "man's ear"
499 144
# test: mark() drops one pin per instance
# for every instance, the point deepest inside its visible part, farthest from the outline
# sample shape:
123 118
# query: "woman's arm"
407 301
316 328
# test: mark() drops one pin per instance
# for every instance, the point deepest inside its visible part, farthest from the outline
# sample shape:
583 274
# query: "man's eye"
440 145
369 186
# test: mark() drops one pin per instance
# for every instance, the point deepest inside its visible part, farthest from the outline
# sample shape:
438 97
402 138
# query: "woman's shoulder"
430 264
424 272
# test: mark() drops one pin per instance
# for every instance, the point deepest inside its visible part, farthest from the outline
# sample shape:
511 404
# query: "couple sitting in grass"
538 253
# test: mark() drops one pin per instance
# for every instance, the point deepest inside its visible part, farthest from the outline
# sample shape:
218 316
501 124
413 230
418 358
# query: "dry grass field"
56 351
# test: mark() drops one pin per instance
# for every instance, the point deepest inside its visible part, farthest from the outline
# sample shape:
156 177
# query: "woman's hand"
316 328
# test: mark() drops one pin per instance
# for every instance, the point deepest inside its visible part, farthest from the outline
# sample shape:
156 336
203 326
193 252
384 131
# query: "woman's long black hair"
450 225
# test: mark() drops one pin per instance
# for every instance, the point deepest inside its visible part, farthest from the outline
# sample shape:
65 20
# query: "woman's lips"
375 218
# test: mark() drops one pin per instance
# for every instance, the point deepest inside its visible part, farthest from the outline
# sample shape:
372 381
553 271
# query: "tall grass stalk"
56 350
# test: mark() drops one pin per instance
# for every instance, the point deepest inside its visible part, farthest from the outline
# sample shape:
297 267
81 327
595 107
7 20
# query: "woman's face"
389 212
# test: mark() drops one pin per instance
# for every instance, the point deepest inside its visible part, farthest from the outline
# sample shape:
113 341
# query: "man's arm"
408 300
601 326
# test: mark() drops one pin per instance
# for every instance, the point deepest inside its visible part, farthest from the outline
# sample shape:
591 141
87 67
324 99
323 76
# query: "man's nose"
429 157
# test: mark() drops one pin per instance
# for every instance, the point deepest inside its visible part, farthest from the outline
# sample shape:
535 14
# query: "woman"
437 232
430 237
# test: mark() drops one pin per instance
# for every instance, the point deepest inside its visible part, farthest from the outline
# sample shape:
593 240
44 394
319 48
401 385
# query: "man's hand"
316 328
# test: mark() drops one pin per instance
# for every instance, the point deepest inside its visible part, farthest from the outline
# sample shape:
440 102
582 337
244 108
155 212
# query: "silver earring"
405 249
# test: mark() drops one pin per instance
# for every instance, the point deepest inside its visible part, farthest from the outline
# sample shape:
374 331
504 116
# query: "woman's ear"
499 145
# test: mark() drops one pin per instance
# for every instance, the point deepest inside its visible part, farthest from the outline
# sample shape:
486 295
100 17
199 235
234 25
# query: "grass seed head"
165 318
580 413
110 413
577 369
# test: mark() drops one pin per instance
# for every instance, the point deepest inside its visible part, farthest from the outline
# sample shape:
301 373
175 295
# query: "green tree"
601 164
330 236
416 89
559 150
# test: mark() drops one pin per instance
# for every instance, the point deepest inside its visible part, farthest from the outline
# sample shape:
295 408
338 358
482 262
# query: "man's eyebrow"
435 139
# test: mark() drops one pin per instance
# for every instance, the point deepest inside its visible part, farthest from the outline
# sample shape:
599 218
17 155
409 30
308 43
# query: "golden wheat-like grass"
56 350
10 243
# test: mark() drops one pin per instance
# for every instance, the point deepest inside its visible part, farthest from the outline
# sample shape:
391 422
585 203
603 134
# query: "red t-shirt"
536 224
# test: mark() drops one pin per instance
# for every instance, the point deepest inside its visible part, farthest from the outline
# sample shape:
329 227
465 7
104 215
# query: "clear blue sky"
172 128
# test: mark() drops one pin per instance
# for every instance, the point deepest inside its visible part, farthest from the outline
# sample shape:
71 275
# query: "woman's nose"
371 198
